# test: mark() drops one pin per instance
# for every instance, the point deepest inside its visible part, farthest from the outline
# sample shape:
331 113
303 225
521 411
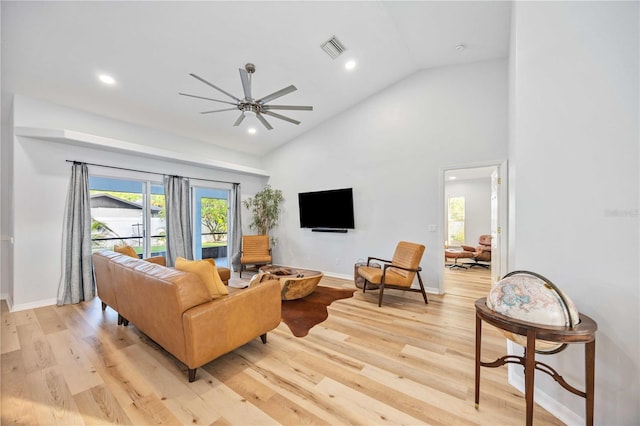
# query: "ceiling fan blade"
219 110
288 107
208 99
239 120
263 121
277 94
281 117
246 83
214 86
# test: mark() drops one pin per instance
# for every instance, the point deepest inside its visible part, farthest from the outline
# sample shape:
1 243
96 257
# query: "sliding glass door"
211 224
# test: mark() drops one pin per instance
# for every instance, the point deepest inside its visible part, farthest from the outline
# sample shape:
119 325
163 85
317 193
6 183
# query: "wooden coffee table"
295 283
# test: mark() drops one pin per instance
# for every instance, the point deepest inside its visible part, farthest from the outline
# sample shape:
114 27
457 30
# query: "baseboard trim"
547 402
31 305
340 276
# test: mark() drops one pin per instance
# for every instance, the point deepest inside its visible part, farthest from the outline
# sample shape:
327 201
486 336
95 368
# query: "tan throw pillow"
125 249
207 273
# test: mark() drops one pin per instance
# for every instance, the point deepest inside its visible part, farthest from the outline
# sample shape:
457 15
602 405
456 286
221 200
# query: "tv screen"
327 209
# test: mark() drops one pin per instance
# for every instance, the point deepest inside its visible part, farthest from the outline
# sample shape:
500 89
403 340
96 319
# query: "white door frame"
501 250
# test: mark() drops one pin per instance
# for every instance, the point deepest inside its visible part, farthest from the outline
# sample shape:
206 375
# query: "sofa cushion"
207 272
125 249
223 273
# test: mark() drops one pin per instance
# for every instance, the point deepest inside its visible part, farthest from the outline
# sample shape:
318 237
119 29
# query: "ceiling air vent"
333 47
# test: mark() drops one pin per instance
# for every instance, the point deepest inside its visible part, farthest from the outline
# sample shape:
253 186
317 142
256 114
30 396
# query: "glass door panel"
211 211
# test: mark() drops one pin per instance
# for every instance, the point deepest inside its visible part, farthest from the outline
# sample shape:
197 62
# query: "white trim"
9 300
341 276
32 305
71 137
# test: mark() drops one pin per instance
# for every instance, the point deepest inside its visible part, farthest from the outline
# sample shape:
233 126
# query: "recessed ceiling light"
350 65
251 130
452 178
107 79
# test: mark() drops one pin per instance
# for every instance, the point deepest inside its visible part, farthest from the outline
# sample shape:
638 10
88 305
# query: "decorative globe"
530 297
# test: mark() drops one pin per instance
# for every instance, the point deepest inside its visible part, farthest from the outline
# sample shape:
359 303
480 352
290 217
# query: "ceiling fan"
248 104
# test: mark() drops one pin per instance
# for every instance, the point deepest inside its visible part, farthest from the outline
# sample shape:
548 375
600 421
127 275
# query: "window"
127 212
211 210
455 221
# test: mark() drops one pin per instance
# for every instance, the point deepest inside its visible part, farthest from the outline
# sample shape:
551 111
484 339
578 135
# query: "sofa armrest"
222 325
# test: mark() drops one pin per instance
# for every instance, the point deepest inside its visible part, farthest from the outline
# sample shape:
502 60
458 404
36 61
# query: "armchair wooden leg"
424 293
263 337
104 306
381 293
192 374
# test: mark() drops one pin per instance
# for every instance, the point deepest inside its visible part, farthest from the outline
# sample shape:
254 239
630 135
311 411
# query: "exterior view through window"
128 212
455 221
211 207
132 212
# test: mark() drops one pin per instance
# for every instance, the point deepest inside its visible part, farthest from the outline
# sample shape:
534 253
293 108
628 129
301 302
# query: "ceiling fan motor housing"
259 107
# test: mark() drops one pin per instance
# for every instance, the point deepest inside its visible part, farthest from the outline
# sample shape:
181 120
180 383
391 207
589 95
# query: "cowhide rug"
301 315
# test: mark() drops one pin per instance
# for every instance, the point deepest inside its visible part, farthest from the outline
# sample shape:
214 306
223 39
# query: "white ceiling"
54 50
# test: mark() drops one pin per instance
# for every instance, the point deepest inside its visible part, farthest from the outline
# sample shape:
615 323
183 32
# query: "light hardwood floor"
404 363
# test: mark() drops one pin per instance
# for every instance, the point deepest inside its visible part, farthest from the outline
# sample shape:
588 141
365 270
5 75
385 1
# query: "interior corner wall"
41 178
391 149
575 153
6 213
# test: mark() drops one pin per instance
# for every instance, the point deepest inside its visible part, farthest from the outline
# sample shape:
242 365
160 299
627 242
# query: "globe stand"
583 332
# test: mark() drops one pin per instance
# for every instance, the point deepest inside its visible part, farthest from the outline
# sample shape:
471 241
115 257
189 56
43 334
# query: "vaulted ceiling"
55 50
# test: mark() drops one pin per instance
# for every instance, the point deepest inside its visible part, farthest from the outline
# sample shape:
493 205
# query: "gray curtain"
77 282
236 229
178 218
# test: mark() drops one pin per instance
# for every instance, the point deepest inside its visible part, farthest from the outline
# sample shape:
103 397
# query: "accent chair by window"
255 251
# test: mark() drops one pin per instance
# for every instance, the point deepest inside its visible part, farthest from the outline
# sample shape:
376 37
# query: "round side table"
584 332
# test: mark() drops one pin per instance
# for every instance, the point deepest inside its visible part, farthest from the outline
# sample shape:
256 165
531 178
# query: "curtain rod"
144 171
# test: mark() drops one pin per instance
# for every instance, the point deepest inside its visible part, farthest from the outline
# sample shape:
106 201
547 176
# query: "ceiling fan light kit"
250 105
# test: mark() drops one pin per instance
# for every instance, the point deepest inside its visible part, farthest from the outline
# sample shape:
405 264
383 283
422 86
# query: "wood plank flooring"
404 363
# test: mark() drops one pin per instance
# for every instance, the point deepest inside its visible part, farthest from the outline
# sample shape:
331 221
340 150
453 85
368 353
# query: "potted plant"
265 208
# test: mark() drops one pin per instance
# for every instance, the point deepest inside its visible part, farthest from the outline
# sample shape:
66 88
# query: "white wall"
477 203
574 153
391 149
41 177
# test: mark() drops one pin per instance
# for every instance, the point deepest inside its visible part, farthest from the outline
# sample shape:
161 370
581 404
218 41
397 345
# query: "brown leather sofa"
175 309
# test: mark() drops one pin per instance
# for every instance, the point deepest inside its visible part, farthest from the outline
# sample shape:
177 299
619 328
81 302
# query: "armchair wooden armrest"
390 265
370 258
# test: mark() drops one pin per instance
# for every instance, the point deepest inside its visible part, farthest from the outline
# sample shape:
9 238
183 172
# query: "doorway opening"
473 199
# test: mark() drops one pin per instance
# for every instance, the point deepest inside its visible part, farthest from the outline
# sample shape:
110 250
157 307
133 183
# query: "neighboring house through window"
128 212
132 212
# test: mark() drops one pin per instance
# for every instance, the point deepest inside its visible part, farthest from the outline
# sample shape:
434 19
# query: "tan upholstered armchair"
255 251
397 273
481 253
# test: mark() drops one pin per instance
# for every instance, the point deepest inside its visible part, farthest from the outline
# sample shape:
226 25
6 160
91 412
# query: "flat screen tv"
327 210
